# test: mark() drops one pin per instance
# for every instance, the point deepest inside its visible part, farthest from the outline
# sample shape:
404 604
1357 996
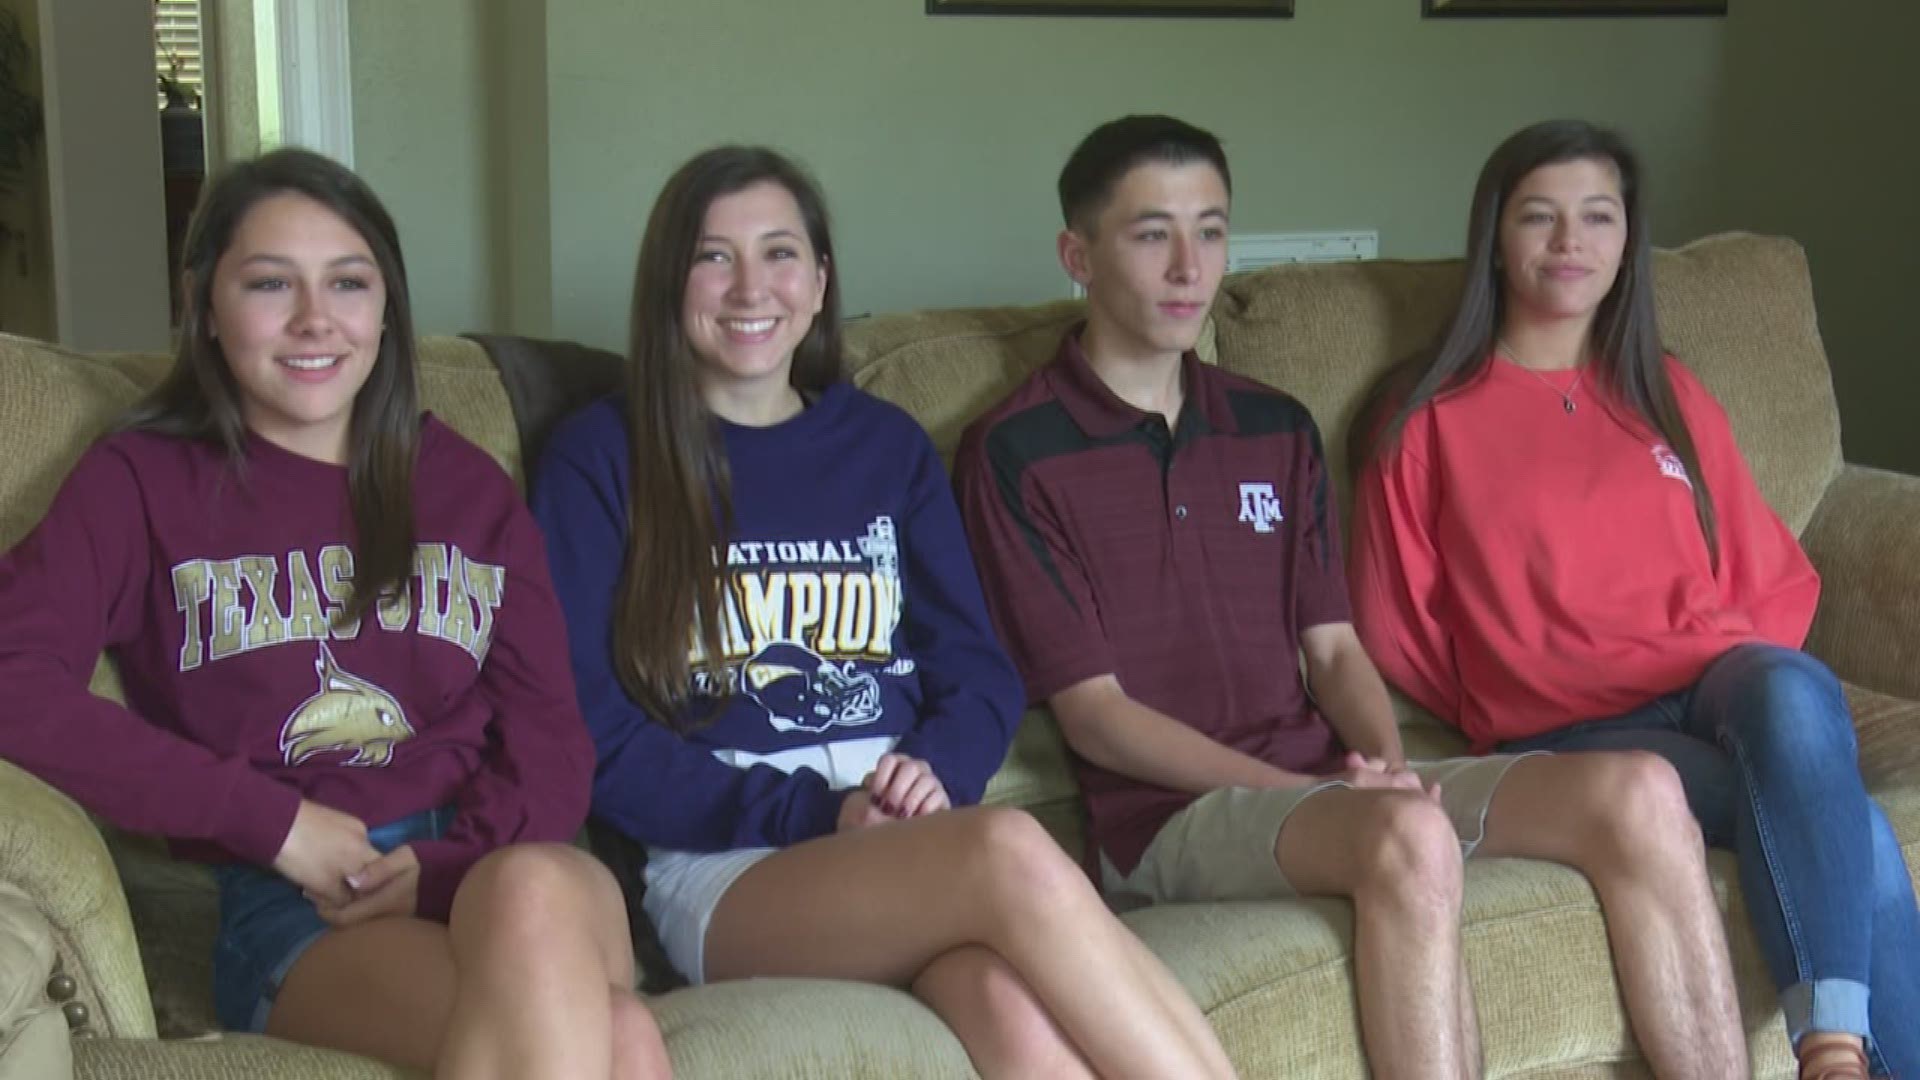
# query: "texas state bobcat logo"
802 690
348 714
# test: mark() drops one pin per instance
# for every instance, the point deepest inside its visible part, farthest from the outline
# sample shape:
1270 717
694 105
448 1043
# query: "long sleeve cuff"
819 815
260 815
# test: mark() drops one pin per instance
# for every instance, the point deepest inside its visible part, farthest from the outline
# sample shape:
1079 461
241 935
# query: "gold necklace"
1566 396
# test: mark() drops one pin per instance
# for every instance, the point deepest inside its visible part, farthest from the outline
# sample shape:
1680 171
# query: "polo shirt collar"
1101 414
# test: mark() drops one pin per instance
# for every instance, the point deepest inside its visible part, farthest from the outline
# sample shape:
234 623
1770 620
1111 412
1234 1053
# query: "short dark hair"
1117 147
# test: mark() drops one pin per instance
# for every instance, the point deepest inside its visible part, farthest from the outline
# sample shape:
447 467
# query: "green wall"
938 138
422 137
1817 142
26 255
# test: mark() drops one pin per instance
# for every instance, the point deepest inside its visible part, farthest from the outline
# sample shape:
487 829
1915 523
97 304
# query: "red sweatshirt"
1517 568
214 589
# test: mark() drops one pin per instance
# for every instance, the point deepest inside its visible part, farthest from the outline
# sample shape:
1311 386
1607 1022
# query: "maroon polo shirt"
1183 562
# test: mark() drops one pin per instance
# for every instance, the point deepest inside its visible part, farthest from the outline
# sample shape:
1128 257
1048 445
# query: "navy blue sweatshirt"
854 624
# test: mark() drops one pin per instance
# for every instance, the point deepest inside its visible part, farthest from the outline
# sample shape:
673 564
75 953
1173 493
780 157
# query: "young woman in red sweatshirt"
1559 546
346 674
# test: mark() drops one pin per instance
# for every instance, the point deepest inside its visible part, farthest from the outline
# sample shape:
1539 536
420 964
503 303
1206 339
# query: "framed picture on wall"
1237 9
1438 9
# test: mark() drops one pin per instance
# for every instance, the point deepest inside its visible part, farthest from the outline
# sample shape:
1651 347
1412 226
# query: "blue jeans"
1765 747
266 924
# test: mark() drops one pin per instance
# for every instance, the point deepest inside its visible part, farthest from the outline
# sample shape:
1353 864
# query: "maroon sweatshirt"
216 591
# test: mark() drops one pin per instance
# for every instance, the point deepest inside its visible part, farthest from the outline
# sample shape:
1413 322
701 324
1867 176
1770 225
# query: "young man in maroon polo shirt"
1158 544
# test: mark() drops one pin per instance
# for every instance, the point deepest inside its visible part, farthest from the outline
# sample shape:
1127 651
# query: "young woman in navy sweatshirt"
786 662
345 678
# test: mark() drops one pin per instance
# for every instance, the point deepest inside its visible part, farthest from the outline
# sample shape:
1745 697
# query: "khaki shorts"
1221 847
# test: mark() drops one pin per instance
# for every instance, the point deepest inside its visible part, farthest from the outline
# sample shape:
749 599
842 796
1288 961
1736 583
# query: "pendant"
1567 404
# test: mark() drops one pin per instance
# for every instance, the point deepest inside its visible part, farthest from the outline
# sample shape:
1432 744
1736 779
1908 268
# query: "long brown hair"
199 399
680 509
1627 356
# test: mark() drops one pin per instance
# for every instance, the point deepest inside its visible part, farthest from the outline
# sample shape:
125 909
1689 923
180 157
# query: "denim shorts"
266 924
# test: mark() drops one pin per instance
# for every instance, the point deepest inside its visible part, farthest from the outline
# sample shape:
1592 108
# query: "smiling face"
752 292
1153 259
296 305
1563 231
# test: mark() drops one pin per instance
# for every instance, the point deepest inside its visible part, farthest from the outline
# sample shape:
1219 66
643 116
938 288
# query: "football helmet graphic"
803 691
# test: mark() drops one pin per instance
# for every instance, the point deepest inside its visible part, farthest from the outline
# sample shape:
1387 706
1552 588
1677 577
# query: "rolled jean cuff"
1835 1005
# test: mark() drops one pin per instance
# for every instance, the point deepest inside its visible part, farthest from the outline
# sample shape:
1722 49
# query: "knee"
1634 813
1790 707
1018 862
638 1045
1413 856
519 895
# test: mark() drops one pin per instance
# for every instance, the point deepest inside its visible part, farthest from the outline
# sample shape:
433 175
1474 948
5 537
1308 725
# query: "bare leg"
883 904
1472 1064
383 989
529 979
1396 855
1622 819
639 1050
994 1013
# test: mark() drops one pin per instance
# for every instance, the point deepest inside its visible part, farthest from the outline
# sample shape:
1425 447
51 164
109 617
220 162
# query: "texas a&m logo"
1260 507
1670 464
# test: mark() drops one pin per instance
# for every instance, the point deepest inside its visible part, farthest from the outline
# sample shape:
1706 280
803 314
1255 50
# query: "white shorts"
683 888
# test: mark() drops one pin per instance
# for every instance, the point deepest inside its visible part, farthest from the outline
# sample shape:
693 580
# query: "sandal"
1834 1061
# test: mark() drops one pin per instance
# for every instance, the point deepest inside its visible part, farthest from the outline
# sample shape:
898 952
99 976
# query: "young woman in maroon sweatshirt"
346 676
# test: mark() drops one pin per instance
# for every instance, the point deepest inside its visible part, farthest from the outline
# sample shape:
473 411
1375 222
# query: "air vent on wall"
1251 251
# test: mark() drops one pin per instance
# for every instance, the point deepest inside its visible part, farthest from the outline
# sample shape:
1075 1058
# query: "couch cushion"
53 404
1536 950
1738 310
175 911
225 1057
1889 732
33 1033
460 386
39 1049
1325 333
1037 777
806 1028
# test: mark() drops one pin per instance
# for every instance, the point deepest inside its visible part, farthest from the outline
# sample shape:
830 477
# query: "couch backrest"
1738 309
946 367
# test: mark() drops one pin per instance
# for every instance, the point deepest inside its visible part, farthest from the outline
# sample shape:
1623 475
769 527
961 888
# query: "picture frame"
1175 9
1446 9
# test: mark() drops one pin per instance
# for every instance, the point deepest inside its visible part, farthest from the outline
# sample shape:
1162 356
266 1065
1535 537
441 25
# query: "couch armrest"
1865 541
50 851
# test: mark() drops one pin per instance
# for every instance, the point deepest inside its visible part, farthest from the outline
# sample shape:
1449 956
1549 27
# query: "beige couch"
131 928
